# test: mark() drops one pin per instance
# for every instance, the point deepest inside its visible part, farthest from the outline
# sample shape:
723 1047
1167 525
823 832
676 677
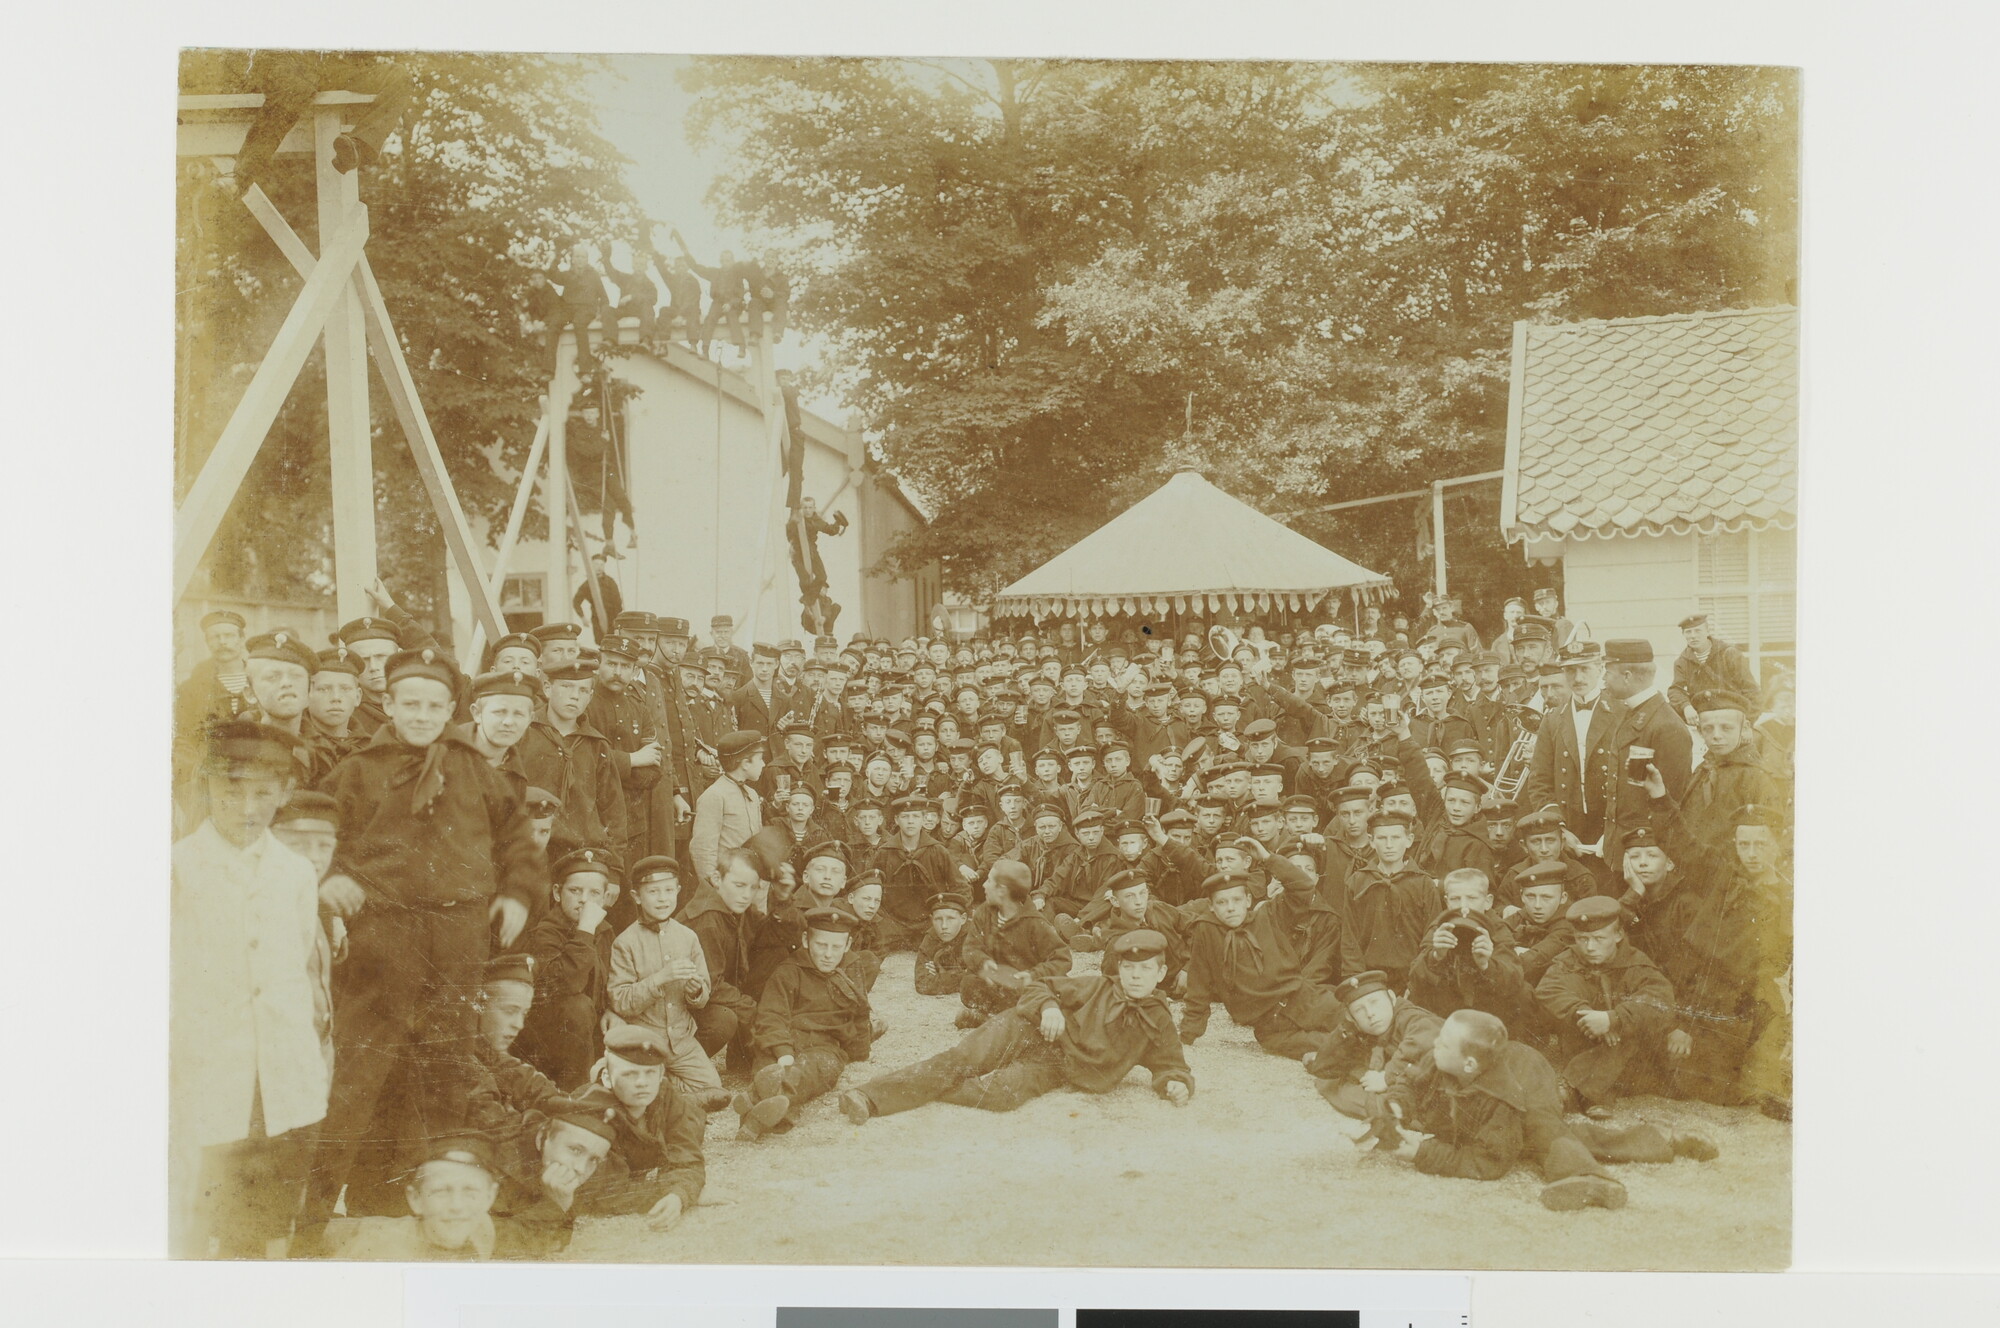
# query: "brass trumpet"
1513 771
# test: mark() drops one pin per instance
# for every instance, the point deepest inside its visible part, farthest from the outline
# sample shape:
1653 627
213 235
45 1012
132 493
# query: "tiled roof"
1651 426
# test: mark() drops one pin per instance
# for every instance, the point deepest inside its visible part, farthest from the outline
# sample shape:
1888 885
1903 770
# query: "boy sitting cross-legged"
1089 1030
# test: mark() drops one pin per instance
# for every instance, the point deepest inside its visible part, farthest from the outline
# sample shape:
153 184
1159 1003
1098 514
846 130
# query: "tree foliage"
500 161
1046 284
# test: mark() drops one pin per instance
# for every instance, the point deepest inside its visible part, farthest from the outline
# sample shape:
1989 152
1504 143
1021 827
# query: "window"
1747 583
521 601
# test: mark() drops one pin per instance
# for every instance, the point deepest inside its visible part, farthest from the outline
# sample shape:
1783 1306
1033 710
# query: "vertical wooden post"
555 492
1437 534
350 445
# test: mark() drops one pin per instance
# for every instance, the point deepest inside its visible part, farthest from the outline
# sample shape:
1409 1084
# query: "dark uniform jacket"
1148 736
580 771
1479 1130
657 1155
910 877
1025 943
725 943
1628 984
568 962
1538 944
1254 969
625 719
1723 785
1385 918
1454 981
752 712
940 966
1652 723
1399 1053
1447 847
803 1009
1725 670
471 839
324 750
1105 1034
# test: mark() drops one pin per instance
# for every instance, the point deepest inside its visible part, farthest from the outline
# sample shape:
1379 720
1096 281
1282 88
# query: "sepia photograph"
1018 661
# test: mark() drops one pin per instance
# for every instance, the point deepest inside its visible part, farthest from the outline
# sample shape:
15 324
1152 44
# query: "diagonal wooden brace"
200 513
389 361
409 407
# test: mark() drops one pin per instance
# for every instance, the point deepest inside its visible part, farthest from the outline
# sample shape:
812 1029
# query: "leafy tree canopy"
1046 284
500 161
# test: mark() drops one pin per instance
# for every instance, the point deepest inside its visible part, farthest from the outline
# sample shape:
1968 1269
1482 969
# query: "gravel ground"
1250 1174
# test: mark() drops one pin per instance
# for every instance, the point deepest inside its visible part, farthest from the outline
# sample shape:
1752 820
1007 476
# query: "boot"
968 1018
854 1105
1697 1146
759 1118
767 1083
712 1100
1574 1192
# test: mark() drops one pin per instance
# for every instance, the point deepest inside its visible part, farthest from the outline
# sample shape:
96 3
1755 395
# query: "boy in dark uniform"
719 915
435 850
571 947
1541 932
812 1021
1245 957
1090 1030
1613 1007
656 1165
1541 837
1458 839
1481 1104
940 969
1374 1050
1468 959
1007 942
1388 902
1133 908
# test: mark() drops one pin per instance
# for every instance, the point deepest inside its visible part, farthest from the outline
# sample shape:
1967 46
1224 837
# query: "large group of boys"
461 957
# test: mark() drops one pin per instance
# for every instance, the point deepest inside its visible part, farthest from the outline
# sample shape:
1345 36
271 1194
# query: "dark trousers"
726 1023
561 1038
250 1190
1299 1024
290 80
987 998
1601 1073
1578 1150
997 1067
1713 1070
814 1071
402 998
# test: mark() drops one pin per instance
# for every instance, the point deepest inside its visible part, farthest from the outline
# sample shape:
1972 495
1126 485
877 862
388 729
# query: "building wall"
705 495
1639 587
315 624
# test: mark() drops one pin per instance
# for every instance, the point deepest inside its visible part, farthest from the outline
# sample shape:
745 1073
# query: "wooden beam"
1437 534
1386 497
555 493
216 125
350 428
274 224
530 472
409 407
200 513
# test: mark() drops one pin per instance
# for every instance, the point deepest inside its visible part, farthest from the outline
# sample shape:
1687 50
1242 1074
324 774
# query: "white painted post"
555 493
350 444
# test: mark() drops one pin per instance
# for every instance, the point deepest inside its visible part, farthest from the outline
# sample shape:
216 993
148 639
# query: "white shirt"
245 922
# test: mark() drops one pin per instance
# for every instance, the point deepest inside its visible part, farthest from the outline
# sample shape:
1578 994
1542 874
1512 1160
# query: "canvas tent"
1188 547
